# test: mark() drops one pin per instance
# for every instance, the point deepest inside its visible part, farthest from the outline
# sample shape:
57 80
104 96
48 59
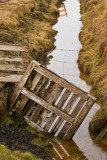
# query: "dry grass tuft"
93 58
29 18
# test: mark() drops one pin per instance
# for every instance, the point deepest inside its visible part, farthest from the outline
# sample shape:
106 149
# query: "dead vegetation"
93 56
29 18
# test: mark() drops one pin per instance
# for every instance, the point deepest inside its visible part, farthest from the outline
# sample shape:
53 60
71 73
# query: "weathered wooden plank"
72 130
52 76
72 103
51 117
22 104
17 91
67 109
38 107
19 68
7 47
64 99
34 125
10 78
11 59
36 80
78 108
50 97
25 42
46 105
25 99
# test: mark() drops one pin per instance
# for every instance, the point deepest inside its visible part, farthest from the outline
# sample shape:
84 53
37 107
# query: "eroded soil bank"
21 140
93 59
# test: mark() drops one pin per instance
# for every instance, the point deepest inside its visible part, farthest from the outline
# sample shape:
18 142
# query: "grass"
29 18
93 56
6 154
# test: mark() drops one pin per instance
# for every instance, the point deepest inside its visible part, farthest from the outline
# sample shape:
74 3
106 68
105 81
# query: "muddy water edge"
64 63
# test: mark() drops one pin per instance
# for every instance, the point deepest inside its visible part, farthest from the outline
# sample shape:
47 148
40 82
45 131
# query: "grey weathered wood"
19 68
11 59
25 99
53 116
71 103
7 47
25 42
38 107
35 81
17 91
72 130
34 125
5 77
50 97
60 105
52 76
67 109
46 105
78 108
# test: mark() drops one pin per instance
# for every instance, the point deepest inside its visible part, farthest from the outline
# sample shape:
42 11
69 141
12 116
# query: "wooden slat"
6 47
12 68
46 105
10 78
53 116
24 100
71 103
36 80
52 76
38 108
67 110
34 125
17 91
78 108
63 99
11 59
50 98
59 105
72 130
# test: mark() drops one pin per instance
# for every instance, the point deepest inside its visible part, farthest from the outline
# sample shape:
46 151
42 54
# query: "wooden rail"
12 67
49 103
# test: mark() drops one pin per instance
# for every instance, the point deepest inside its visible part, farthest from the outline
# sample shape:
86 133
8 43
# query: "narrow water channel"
64 63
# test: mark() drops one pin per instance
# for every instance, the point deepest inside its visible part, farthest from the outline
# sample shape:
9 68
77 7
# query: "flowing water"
64 63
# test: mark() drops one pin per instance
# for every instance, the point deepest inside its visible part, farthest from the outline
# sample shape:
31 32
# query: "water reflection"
62 10
64 63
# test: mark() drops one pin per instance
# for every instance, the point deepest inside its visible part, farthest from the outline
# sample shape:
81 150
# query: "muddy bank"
18 139
93 58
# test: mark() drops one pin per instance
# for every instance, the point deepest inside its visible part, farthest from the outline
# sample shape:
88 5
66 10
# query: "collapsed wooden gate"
49 103
13 60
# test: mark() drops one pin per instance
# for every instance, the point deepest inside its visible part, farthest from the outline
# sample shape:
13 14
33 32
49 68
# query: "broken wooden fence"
13 60
49 103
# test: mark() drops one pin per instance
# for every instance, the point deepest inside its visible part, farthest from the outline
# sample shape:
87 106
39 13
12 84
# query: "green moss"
6 154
